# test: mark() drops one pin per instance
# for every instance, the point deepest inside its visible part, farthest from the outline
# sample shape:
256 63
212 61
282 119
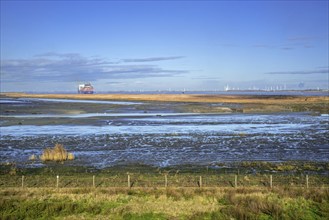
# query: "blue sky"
159 45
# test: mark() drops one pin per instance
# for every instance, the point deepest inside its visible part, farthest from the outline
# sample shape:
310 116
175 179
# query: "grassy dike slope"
161 203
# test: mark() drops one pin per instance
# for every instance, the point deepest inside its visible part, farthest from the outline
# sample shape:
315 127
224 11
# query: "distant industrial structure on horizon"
85 88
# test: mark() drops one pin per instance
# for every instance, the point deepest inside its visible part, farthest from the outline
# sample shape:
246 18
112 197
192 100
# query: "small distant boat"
85 88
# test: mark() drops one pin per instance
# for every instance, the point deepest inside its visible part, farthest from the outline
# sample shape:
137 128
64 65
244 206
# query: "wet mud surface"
103 134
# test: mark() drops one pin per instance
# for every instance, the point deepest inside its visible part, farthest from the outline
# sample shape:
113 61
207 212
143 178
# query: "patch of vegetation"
58 154
177 203
321 107
288 166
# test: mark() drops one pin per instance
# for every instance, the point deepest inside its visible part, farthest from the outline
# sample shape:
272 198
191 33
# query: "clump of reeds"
58 153
33 157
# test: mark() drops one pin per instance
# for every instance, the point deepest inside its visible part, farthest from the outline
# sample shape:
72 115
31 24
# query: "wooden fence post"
271 181
94 181
166 181
306 181
200 182
22 181
57 182
236 181
129 181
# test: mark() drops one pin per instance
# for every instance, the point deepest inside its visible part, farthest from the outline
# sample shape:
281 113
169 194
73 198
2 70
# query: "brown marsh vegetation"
58 154
247 99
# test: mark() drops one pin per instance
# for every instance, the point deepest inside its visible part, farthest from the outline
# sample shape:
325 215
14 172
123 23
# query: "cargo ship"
85 88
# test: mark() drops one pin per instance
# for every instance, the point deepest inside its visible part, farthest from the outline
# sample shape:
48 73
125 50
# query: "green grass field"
107 196
161 203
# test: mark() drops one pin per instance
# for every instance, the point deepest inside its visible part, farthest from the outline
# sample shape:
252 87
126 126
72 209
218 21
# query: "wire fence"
164 180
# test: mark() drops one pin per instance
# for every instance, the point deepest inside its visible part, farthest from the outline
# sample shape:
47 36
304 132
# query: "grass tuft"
33 157
58 153
70 156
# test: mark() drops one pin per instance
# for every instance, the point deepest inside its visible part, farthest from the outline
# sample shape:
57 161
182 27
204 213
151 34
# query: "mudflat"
123 129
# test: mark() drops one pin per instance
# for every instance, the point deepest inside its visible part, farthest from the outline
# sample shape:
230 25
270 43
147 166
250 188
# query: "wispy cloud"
206 78
323 67
287 48
68 67
55 54
301 38
267 46
115 83
151 59
280 47
290 43
230 45
307 72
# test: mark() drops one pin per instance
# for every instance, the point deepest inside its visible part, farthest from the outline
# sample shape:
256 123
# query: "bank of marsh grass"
198 98
58 153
